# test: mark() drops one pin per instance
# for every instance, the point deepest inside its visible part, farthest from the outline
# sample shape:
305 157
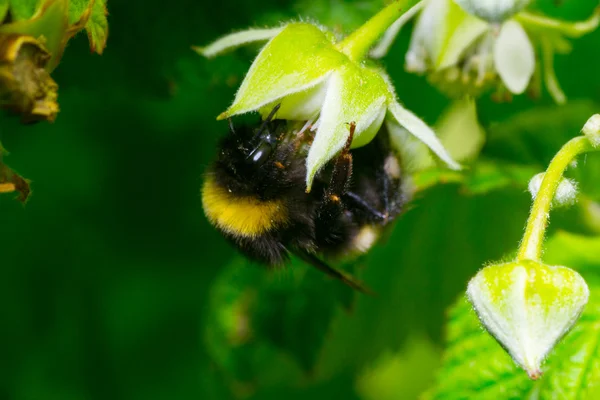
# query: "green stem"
531 245
358 43
571 29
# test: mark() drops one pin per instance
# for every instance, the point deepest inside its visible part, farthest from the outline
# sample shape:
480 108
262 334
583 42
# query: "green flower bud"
528 307
591 130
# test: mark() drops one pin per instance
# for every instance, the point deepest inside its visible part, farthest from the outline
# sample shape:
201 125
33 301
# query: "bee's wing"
332 272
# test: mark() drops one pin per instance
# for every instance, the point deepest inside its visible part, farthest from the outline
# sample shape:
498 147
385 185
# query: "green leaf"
268 327
91 13
4 4
97 26
565 248
418 272
23 9
413 363
77 8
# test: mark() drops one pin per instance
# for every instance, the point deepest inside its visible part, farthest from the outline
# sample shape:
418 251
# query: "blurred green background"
114 286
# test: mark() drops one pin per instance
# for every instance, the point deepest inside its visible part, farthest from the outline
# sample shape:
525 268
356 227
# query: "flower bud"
566 193
528 307
591 130
493 10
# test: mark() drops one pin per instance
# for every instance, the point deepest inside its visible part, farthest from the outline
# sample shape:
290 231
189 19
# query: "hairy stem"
531 245
357 44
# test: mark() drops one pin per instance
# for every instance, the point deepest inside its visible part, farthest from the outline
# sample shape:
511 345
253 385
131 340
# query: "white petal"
236 39
427 36
419 129
514 57
464 35
414 154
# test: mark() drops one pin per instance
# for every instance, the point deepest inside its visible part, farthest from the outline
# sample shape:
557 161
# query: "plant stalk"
357 44
531 245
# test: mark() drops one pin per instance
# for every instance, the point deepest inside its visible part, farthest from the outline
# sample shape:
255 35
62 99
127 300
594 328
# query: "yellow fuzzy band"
240 216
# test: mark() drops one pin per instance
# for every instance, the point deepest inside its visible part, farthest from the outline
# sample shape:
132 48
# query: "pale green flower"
462 53
328 82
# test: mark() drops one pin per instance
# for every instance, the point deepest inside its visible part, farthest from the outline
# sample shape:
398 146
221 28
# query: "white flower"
316 78
462 53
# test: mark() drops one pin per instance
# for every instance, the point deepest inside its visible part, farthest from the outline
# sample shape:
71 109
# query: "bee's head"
246 156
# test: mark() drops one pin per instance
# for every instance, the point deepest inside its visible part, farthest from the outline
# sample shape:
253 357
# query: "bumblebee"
254 194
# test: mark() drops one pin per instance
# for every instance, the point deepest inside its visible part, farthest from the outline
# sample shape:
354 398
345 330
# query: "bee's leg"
329 226
342 172
360 203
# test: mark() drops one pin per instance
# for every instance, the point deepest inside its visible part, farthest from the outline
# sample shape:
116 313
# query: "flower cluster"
472 46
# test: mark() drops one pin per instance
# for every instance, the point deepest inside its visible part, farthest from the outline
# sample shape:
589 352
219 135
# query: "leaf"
4 4
418 272
380 379
565 248
77 9
91 15
476 367
97 26
267 327
23 9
